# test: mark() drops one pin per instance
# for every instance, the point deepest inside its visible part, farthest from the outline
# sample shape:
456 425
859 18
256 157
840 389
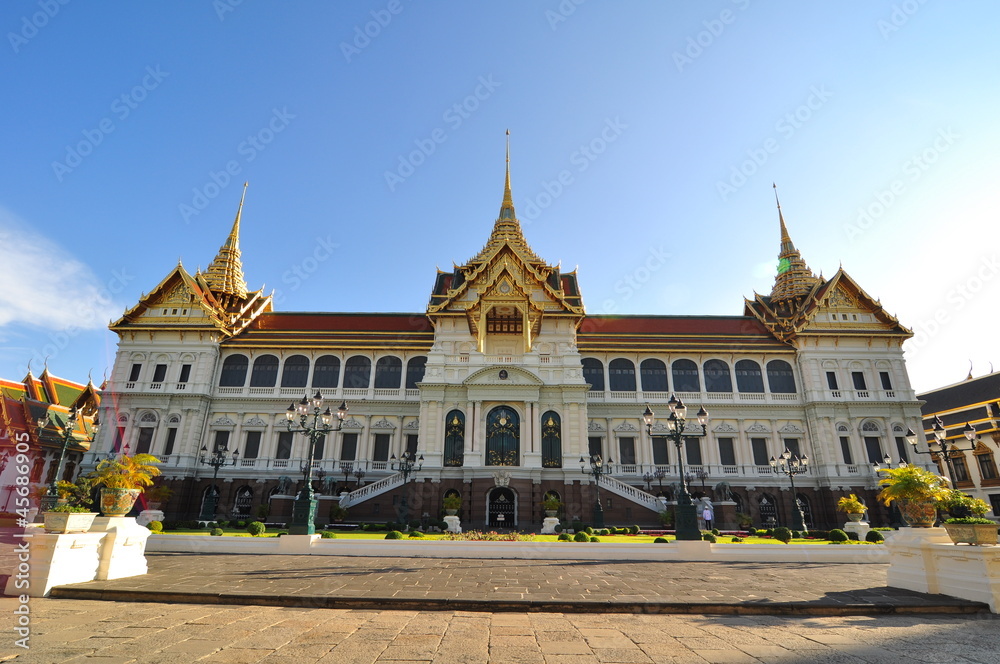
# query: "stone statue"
723 492
284 485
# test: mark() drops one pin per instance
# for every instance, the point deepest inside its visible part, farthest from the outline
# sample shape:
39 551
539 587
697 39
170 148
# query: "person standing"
707 515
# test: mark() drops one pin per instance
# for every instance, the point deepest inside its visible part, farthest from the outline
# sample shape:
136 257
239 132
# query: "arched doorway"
501 508
243 503
209 502
768 511
503 437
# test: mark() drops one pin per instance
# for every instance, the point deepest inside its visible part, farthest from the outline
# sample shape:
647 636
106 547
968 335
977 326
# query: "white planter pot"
68 522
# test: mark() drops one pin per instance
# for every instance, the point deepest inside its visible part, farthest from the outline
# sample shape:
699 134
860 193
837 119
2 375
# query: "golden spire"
794 278
225 274
507 206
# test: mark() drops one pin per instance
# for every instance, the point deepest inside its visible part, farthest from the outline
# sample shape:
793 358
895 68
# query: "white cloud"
45 286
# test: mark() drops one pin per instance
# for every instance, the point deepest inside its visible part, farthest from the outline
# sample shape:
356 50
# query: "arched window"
357 372
296 371
244 501
454 438
768 511
653 375
717 376
234 371
503 437
388 373
780 379
415 371
685 376
551 440
622 373
593 373
265 371
748 377
326 372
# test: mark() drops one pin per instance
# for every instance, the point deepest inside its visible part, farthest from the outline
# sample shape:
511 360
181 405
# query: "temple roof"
677 334
224 275
397 331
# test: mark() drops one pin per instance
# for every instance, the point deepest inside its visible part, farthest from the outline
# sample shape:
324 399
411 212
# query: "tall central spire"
507 206
225 274
794 278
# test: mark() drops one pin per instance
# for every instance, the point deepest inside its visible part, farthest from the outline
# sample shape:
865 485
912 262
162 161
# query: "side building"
506 388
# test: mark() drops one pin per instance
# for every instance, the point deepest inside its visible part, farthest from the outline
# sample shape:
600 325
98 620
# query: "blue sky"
644 140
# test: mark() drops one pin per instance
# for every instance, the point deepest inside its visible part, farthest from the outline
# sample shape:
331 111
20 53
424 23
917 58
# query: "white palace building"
503 385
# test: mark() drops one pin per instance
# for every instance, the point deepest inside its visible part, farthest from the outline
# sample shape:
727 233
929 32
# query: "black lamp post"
359 474
304 507
216 460
700 474
597 469
51 496
647 477
941 442
406 464
791 465
686 519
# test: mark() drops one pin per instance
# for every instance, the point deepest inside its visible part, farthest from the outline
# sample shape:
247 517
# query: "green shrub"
796 534
564 537
394 534
715 531
416 533
255 528
605 532
853 537
768 532
709 537
782 534
326 534
884 529
155 527
581 537
737 539
837 535
874 536
216 532
414 524
241 524
634 530
660 540
819 534
223 524
588 530
577 526
594 539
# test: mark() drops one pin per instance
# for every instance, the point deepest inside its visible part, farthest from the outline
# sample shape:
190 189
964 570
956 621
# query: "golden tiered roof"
224 275
795 279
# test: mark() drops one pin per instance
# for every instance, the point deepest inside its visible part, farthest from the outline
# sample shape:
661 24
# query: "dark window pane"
221 441
859 380
168 448
134 373
684 374
692 446
415 371
901 446
551 440
159 373
388 373
748 377
284 450
653 375
454 438
845 449
234 371
661 453
185 373
349 447
296 371
265 371
626 450
593 373
717 377
326 373
780 379
987 466
831 380
594 446
961 470
252 447
727 453
145 440
412 440
874 449
357 373
622 375
886 381
759 448
319 448
792 445
381 451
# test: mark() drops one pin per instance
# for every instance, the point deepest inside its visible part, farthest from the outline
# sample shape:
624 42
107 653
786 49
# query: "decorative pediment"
415 424
790 428
223 421
383 424
595 426
725 427
352 424
660 428
757 428
626 426
500 375
255 421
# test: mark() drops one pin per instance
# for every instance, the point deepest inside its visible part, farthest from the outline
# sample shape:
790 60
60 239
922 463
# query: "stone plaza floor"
323 609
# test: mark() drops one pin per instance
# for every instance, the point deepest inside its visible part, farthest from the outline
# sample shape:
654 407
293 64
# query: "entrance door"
768 512
500 508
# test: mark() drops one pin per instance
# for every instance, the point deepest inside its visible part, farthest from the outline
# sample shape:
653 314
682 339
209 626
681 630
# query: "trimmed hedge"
838 535
394 534
255 528
216 532
874 536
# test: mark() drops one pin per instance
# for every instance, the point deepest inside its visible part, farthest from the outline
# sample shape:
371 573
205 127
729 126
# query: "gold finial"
507 207
786 241
794 276
225 273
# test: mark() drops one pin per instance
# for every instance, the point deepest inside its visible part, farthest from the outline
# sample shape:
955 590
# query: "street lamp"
359 474
686 518
647 477
941 441
597 469
216 460
406 465
791 465
304 507
51 496
700 474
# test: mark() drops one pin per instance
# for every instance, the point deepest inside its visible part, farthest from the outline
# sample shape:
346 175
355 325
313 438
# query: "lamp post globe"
314 423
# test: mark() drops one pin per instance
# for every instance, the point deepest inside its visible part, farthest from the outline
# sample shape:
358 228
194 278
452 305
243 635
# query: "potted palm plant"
852 507
123 478
917 491
551 505
156 495
974 529
452 503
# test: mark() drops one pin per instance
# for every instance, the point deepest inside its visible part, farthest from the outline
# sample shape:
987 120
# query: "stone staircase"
629 492
372 490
